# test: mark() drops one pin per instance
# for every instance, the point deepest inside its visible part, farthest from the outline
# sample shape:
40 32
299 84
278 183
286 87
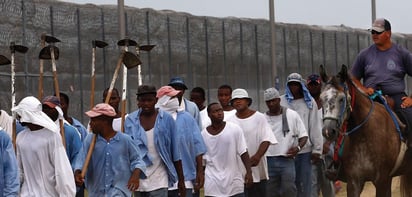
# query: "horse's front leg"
354 187
383 187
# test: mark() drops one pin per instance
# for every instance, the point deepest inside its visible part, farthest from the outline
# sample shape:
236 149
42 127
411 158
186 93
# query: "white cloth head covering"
169 104
30 110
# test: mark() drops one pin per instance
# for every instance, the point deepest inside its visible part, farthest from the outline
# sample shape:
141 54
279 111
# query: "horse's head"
335 103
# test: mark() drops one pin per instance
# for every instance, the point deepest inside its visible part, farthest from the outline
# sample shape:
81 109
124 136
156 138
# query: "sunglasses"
376 32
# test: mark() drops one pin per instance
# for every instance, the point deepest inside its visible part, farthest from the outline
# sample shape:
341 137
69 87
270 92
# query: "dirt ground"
369 189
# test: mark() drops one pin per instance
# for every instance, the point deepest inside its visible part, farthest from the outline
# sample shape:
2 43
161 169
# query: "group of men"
285 147
169 148
172 146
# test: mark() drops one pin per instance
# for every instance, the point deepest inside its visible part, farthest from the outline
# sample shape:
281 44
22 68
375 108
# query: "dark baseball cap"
177 81
314 78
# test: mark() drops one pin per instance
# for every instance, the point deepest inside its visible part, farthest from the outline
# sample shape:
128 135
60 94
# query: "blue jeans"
236 195
303 166
156 193
175 193
281 177
257 190
196 194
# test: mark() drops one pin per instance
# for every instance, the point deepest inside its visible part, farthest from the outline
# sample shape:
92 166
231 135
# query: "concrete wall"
205 51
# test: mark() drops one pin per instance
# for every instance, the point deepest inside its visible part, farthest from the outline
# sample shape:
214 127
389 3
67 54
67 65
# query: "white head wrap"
169 104
30 110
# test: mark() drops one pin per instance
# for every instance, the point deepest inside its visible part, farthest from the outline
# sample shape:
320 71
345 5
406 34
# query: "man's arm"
293 151
248 167
200 174
356 81
181 178
11 173
133 183
263 147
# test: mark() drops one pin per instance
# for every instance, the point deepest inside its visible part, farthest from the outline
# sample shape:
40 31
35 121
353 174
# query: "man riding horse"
383 66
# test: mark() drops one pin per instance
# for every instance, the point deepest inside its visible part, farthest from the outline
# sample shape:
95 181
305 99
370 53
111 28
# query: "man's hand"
248 180
315 157
133 183
369 91
292 152
326 147
182 188
406 102
78 178
200 181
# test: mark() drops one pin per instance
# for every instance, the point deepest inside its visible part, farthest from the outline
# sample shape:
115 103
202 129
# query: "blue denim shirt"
9 172
79 126
165 138
192 108
73 142
111 165
191 143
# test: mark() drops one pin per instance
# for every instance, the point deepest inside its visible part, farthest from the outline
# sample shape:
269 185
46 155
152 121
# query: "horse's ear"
322 73
344 73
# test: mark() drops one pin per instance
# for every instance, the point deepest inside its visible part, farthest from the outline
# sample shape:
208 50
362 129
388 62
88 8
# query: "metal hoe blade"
127 42
45 53
4 60
99 43
18 48
49 39
146 47
130 60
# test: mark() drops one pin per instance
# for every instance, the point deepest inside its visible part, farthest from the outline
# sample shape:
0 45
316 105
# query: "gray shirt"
384 70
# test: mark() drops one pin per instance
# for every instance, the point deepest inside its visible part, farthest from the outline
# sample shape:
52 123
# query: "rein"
367 117
342 123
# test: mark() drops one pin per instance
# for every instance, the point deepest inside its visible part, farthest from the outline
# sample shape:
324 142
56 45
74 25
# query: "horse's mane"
341 78
359 89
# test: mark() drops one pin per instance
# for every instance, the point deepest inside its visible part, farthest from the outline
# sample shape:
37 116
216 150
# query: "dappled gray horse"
371 145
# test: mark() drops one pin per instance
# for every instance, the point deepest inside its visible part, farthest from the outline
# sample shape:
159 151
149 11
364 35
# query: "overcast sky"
352 13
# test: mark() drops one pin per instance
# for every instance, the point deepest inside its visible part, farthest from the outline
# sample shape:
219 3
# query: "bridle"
346 109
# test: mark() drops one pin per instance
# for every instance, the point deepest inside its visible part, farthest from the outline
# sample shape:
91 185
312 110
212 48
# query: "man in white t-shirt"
198 96
258 135
226 146
291 138
298 98
320 183
224 95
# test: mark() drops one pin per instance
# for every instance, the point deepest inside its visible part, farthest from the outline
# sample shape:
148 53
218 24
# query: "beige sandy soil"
369 189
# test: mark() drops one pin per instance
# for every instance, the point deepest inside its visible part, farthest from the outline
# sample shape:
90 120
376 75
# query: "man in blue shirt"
383 66
64 102
51 106
154 131
178 84
192 146
9 174
116 163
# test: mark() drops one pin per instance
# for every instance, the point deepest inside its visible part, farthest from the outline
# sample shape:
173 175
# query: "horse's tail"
405 185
